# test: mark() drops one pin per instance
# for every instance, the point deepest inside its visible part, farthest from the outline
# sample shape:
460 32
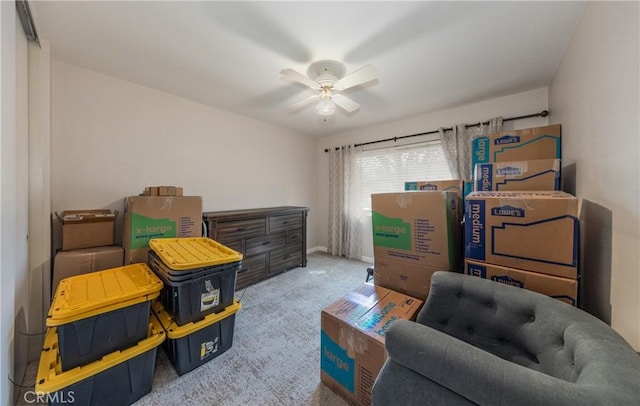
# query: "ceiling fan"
327 79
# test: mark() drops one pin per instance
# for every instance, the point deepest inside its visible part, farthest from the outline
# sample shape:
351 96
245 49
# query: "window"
386 170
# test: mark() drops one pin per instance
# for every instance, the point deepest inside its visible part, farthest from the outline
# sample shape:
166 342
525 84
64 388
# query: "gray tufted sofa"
478 342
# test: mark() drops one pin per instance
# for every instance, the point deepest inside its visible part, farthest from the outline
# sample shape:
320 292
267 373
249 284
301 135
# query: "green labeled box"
415 234
438 185
147 217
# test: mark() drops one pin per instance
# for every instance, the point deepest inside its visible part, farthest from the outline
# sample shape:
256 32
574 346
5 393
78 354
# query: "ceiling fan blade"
298 105
294 76
345 103
362 75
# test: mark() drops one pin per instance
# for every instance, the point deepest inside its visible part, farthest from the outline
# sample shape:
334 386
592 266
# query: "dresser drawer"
234 245
285 258
294 237
235 230
253 269
285 222
259 245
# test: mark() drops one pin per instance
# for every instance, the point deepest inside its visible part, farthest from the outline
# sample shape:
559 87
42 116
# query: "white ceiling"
429 55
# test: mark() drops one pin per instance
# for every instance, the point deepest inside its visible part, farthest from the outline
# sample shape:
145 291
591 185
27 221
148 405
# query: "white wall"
39 192
595 96
111 138
13 201
7 205
21 175
514 105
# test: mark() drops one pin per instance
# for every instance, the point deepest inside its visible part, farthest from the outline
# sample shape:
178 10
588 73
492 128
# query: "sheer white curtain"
456 143
345 216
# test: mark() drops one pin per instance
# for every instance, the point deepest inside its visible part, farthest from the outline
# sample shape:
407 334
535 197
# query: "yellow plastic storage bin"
118 379
182 254
101 312
199 275
194 344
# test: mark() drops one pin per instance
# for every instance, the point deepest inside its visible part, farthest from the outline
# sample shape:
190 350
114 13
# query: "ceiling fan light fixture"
326 107
328 80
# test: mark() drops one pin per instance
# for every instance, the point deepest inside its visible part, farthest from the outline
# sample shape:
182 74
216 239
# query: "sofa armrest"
481 376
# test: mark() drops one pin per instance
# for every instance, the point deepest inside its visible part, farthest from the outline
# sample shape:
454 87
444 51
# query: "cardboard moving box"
78 262
437 185
534 231
352 338
147 217
563 289
87 228
415 234
518 145
162 191
539 174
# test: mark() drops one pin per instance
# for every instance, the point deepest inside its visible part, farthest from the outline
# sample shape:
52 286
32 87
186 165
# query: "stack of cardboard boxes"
415 233
88 238
519 228
161 212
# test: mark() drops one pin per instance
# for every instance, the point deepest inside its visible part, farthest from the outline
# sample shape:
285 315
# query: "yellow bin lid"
192 252
174 331
51 378
87 295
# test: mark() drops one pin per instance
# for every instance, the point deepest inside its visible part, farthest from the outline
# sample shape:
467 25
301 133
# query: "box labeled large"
352 338
87 228
414 234
534 231
563 289
436 185
86 260
539 174
148 217
518 145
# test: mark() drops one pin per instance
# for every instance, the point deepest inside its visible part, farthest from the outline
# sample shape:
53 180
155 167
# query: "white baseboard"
366 259
324 249
316 249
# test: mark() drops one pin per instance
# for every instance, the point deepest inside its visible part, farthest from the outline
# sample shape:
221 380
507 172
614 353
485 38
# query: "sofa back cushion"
521 326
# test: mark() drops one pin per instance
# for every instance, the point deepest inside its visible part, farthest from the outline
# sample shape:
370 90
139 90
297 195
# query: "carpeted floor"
275 357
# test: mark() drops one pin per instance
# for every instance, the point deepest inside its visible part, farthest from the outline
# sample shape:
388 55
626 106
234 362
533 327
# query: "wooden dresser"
271 240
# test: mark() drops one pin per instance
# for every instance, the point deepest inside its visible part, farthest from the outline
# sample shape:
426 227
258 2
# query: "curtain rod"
543 113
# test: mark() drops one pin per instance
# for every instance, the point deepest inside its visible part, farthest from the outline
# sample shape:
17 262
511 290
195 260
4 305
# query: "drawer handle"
285 222
266 242
242 229
286 257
